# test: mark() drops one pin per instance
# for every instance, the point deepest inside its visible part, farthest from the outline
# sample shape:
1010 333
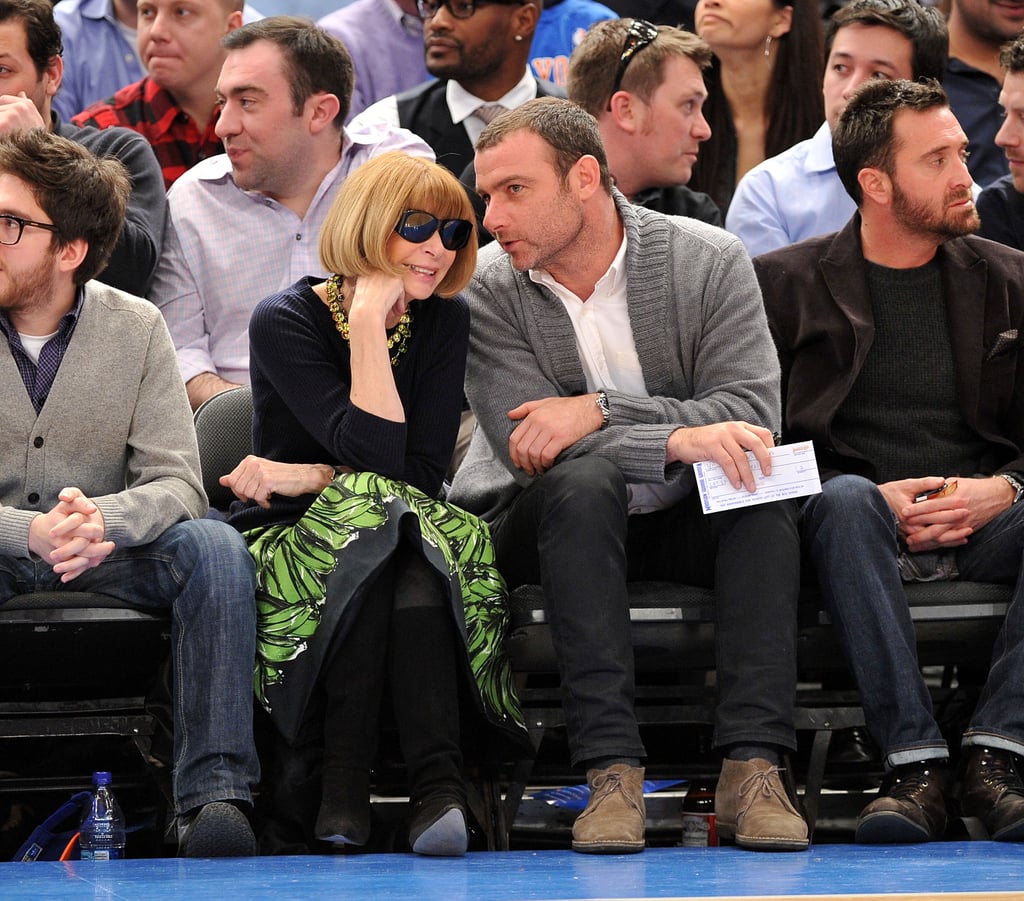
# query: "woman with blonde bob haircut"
365 578
354 236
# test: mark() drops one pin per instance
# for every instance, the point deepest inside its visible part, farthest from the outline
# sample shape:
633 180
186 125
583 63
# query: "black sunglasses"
417 226
460 9
640 34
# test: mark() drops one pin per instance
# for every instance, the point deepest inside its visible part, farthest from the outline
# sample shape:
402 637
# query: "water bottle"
699 816
102 831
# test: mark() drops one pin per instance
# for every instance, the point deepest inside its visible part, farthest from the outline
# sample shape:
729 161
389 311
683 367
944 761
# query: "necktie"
488 112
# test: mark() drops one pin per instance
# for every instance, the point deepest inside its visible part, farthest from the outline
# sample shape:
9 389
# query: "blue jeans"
850 536
201 570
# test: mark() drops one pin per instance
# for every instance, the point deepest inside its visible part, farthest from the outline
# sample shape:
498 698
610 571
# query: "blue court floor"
959 869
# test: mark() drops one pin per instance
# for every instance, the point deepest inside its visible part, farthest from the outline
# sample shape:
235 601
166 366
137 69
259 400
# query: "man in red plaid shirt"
174 106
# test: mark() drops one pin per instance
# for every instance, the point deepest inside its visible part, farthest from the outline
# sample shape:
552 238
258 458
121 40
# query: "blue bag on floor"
51 838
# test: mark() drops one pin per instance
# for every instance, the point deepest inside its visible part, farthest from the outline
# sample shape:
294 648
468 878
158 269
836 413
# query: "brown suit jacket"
819 312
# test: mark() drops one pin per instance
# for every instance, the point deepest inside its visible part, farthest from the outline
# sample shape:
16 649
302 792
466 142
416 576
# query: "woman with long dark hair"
764 86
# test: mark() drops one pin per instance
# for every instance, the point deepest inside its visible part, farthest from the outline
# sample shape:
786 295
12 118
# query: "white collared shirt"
607 350
461 106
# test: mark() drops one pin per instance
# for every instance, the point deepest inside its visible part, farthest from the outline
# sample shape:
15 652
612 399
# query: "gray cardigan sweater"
116 424
701 336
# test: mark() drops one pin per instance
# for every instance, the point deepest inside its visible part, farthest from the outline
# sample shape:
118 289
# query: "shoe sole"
220 830
890 828
607 847
727 831
1012 833
339 839
771 843
445 837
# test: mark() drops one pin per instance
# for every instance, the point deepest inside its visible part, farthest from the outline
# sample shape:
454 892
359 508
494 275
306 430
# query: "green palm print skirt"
309 572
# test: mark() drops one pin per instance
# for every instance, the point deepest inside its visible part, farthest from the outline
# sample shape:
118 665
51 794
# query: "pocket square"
1004 342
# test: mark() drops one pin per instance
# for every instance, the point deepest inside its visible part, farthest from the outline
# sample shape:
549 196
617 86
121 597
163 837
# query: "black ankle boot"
425 696
994 793
353 685
345 809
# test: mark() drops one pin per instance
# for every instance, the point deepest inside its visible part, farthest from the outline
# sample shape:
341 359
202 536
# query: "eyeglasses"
417 226
11 228
640 34
460 9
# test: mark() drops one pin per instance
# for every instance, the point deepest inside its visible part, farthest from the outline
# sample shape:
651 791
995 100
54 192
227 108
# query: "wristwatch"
604 407
1015 483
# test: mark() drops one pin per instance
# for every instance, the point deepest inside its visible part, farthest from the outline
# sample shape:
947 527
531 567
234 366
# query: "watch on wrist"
604 407
1016 483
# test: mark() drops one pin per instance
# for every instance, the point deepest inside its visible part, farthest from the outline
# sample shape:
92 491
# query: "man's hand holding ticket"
794 473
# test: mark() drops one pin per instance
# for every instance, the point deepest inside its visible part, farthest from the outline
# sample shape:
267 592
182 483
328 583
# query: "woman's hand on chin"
379 297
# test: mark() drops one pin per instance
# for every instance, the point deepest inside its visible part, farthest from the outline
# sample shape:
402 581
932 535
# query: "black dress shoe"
994 793
852 747
910 807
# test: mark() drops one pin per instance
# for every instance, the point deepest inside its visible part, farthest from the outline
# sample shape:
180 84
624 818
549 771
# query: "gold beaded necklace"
399 335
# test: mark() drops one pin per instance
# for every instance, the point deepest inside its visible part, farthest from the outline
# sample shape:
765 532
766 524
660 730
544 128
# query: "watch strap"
1016 483
604 407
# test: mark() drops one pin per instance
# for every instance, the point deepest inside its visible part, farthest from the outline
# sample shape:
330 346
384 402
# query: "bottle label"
103 854
699 830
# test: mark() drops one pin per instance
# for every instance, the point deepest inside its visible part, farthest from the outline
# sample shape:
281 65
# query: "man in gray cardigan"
611 348
99 483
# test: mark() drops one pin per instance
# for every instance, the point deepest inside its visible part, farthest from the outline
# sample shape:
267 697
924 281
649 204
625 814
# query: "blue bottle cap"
101 778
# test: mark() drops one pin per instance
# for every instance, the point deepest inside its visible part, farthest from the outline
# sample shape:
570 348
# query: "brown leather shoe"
613 821
753 807
994 793
910 807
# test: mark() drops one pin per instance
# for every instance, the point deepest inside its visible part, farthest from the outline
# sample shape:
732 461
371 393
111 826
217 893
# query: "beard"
22 293
923 218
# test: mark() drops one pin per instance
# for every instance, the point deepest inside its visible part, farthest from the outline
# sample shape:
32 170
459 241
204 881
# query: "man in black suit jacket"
479 61
900 344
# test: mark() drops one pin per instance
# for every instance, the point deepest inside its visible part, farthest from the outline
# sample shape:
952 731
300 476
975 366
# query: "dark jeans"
569 531
851 537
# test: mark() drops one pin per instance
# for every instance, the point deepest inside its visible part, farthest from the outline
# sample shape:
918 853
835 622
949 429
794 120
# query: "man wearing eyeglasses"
244 224
101 488
612 347
478 50
30 46
651 123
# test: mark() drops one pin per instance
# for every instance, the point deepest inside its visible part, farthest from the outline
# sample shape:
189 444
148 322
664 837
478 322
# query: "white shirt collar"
613 282
462 104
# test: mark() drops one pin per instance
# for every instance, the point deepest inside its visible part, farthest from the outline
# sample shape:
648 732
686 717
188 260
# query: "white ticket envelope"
794 474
